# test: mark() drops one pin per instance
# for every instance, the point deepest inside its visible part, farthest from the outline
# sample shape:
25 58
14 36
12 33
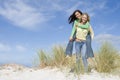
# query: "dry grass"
106 59
55 59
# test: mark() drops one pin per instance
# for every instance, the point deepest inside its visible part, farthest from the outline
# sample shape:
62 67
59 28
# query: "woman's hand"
70 38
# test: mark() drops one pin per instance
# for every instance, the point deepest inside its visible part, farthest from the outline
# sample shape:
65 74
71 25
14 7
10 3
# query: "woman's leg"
89 50
92 62
78 47
69 48
85 62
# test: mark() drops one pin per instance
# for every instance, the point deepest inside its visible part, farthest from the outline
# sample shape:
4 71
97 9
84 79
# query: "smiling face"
78 15
85 18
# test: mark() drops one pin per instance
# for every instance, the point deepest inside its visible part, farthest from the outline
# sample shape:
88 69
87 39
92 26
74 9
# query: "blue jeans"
69 48
89 50
78 48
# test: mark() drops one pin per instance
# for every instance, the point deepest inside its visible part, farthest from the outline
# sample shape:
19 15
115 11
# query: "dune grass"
55 59
58 59
107 59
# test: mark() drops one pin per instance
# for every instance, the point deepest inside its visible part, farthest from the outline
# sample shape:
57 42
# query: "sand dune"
19 72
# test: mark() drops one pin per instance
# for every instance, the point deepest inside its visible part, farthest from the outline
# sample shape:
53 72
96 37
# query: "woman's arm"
73 29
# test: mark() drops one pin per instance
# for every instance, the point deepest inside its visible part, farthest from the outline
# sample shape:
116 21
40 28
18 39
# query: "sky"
27 26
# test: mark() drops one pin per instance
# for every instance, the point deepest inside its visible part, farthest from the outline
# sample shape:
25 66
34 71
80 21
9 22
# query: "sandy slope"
17 72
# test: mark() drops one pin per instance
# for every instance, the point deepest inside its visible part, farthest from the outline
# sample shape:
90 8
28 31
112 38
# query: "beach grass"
106 59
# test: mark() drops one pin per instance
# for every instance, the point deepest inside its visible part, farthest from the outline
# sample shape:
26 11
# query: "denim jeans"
69 48
89 51
78 48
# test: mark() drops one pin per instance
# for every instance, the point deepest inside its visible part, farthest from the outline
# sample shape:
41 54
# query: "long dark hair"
72 17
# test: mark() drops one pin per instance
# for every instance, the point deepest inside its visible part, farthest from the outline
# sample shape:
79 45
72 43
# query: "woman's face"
78 15
84 18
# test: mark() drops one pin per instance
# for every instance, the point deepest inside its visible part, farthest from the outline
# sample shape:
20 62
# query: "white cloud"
101 6
56 7
92 7
14 53
4 47
105 28
10 48
87 6
61 27
70 10
30 16
20 48
112 39
107 37
22 14
98 6
115 8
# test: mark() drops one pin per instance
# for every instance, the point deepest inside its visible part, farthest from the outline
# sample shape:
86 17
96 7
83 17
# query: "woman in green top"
74 19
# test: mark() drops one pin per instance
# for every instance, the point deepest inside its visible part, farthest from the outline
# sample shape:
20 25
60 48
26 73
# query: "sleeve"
74 28
91 32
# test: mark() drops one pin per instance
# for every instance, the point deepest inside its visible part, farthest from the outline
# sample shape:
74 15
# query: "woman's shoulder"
76 21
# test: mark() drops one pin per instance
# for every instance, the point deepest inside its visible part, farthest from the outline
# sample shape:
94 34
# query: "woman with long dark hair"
74 19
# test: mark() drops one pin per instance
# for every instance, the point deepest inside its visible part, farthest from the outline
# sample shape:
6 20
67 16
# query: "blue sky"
26 26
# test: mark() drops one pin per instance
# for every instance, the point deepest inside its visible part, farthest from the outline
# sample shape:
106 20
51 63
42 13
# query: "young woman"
74 19
82 28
